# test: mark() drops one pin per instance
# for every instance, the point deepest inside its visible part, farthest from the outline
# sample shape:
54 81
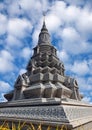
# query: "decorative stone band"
57 114
37 113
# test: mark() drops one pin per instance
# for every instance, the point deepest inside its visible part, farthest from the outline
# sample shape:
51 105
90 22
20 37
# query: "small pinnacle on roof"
44 14
44 25
44 37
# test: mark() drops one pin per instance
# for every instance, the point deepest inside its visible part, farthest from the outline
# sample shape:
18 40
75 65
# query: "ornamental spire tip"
44 14
44 25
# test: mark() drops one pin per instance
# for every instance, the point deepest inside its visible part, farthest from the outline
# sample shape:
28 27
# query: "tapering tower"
45 76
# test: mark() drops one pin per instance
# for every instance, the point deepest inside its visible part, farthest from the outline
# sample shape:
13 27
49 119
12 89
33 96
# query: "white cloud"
54 17
84 23
70 15
45 5
80 68
2 99
4 87
91 93
35 36
53 26
6 62
59 8
14 9
13 41
70 35
63 55
26 53
3 24
73 43
19 27
5 54
1 6
90 64
90 80
75 2
22 71
86 99
84 84
27 4
32 9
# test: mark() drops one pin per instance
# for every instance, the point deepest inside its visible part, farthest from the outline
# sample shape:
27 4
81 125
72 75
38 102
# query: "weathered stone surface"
67 112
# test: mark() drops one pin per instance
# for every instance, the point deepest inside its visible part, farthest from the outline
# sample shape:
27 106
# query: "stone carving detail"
44 68
35 113
55 113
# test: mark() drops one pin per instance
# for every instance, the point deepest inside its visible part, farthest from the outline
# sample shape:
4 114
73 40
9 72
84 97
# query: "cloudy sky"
70 25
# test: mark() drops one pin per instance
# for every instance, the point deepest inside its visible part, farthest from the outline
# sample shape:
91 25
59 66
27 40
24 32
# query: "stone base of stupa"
49 112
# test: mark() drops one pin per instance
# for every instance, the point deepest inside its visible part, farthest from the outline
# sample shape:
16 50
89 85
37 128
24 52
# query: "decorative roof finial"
44 26
44 37
44 14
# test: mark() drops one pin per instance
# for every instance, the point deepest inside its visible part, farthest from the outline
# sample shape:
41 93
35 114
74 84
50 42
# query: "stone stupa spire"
45 77
44 25
44 37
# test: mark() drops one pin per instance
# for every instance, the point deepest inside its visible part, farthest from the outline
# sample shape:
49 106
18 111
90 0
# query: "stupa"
45 76
44 94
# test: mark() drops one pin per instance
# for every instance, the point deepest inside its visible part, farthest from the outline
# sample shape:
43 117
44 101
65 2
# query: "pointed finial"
44 37
44 14
44 26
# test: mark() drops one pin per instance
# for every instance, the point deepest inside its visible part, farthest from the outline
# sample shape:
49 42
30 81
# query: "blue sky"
70 25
